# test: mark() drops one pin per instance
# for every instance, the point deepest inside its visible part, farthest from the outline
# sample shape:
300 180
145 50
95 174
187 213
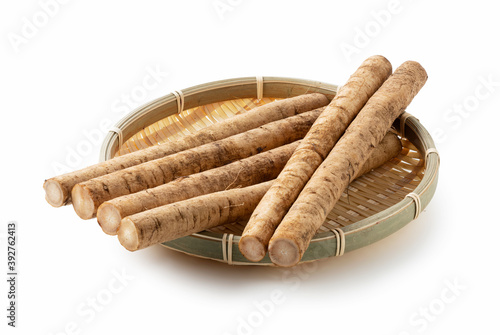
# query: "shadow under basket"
373 207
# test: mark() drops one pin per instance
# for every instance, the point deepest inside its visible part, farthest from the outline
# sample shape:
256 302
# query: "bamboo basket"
373 207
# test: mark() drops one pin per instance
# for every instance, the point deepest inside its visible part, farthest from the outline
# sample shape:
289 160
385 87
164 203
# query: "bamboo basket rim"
248 87
152 111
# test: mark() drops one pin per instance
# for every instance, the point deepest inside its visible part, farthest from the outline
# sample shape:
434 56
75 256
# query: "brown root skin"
193 215
318 142
345 160
186 217
389 148
248 171
205 157
240 123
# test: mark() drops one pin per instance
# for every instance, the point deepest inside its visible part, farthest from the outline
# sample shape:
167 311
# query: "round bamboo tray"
373 207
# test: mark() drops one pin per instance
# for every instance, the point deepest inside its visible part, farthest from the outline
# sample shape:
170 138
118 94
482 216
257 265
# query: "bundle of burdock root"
282 166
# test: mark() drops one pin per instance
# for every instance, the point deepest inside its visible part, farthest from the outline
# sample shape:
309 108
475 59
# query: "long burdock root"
249 171
316 145
189 216
58 189
186 217
317 199
89 195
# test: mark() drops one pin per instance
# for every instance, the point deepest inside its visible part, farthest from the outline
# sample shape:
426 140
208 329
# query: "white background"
60 80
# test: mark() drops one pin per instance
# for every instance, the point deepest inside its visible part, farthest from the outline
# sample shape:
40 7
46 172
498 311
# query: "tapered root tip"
127 235
109 218
253 249
82 202
284 252
54 193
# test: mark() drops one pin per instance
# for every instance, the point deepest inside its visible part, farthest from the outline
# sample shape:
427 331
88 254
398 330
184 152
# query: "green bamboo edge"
362 233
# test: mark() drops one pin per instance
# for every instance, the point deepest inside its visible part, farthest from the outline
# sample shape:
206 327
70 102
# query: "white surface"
65 80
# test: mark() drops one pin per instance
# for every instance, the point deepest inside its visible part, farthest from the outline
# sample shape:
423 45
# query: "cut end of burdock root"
54 193
127 235
252 248
284 252
109 218
82 202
